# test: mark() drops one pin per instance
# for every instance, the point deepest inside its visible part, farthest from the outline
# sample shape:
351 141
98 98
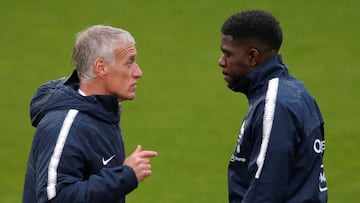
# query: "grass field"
183 108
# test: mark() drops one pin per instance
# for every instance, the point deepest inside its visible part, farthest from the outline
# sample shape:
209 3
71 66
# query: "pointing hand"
139 161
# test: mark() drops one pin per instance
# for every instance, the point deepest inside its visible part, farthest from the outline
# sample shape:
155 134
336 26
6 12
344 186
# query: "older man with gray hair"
78 153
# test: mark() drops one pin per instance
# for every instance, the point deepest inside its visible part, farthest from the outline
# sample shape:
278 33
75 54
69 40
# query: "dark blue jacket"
279 154
78 150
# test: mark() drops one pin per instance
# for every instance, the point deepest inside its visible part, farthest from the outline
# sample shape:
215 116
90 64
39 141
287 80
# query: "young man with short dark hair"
278 157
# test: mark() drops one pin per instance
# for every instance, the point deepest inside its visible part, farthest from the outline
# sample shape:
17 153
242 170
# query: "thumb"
138 148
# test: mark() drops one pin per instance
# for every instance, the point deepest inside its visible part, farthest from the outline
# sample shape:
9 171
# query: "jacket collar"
258 77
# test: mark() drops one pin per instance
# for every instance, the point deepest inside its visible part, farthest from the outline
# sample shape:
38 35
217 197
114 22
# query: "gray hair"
98 41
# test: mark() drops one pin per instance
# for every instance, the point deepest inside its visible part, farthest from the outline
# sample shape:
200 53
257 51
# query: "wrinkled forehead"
125 49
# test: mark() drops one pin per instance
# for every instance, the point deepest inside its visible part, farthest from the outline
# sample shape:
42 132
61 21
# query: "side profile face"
121 78
235 61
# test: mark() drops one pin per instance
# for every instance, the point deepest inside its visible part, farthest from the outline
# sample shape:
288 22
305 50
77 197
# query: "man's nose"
222 62
138 73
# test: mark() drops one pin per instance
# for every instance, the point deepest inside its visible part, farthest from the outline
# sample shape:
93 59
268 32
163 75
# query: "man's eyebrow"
133 55
224 50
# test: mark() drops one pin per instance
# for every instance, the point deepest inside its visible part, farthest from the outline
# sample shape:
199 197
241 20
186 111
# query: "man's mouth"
227 78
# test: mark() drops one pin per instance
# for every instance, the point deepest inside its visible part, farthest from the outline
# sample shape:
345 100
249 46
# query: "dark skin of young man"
240 57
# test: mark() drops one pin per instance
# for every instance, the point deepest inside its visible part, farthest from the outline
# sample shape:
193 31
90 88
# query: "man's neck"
92 87
81 92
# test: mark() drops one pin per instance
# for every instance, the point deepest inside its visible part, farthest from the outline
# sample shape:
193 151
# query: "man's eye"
226 55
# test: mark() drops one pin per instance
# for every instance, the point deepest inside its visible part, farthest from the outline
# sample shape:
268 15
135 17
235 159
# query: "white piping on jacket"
269 111
55 157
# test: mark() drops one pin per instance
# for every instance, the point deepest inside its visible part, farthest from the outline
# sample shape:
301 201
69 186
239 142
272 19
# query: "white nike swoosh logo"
322 189
105 162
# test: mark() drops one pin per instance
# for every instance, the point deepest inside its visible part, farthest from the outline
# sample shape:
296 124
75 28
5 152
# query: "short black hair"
256 25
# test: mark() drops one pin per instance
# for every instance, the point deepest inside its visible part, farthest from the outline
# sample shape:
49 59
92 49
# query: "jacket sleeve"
272 158
110 185
67 179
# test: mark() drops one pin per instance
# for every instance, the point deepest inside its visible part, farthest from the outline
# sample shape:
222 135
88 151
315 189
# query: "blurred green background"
183 108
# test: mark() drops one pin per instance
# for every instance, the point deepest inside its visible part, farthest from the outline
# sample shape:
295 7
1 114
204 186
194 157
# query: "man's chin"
231 85
129 97
241 85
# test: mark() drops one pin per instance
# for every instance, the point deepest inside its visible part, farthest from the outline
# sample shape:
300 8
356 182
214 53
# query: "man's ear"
254 57
100 67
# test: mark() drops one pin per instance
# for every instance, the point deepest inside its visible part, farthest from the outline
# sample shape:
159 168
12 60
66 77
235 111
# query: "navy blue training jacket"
279 154
77 151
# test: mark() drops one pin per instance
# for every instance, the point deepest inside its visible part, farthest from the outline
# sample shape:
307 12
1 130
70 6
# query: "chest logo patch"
105 162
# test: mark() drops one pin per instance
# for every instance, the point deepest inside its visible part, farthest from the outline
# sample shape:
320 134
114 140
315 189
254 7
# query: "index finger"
145 154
